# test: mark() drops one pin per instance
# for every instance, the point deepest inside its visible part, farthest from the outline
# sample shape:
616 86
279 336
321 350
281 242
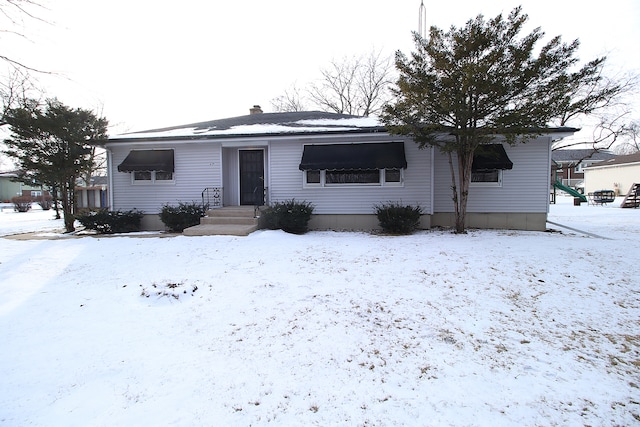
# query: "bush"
185 215
22 203
398 219
290 216
107 222
45 202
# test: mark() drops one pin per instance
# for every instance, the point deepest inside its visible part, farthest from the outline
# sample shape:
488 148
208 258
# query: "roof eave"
378 129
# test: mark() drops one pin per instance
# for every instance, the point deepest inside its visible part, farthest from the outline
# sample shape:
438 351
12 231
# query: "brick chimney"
255 110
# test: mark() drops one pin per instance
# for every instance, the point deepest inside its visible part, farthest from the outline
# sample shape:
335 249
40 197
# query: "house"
94 195
569 164
618 173
344 165
10 188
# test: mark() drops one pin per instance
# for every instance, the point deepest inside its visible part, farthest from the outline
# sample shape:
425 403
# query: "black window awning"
147 160
387 155
489 157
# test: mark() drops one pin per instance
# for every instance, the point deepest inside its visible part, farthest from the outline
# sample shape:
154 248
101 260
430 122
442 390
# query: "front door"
252 177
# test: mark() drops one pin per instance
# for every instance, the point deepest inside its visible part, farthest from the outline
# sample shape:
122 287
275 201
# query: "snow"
319 125
491 328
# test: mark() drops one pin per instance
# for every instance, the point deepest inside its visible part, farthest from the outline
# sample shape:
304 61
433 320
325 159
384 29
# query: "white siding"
286 181
525 188
620 177
231 177
197 166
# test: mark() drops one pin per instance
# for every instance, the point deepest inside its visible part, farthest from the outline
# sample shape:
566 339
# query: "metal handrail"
210 193
259 201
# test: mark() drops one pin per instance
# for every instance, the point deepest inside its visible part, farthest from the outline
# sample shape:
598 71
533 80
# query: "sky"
149 64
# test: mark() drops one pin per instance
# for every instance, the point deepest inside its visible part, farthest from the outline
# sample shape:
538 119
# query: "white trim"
433 176
110 175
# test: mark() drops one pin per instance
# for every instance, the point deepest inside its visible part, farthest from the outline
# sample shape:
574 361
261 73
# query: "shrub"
185 215
107 222
22 203
45 202
290 216
398 219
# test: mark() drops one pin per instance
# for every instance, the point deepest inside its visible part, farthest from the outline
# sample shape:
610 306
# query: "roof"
620 160
577 155
270 124
291 123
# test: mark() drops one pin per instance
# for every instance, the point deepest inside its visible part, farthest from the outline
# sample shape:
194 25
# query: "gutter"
269 135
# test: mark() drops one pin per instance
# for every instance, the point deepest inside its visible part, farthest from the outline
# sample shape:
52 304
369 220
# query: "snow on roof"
263 124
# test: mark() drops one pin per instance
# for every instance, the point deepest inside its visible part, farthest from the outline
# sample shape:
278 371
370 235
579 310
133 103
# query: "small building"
344 165
569 164
93 196
9 188
618 173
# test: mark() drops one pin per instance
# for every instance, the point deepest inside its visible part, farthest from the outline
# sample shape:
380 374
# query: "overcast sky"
160 63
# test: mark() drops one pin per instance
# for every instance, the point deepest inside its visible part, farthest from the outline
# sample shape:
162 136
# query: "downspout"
433 174
110 177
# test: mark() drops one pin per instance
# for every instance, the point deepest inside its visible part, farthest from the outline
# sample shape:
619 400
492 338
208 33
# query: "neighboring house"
344 165
568 164
94 195
618 174
10 188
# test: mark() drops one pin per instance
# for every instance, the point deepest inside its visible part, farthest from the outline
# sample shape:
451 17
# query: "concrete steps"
227 221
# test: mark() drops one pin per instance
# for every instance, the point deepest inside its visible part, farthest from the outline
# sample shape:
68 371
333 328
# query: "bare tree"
352 85
18 90
12 13
336 89
605 101
291 100
631 144
373 81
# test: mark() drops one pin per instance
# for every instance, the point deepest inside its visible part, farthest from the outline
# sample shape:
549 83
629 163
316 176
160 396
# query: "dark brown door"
252 177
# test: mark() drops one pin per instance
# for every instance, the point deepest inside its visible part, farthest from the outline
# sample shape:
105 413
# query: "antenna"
422 20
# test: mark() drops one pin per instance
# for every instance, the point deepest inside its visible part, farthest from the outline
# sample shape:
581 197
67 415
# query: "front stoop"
227 221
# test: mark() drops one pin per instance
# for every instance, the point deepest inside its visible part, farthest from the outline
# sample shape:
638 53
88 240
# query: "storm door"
251 177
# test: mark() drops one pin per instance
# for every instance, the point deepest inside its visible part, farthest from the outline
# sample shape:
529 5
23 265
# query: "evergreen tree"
462 88
50 143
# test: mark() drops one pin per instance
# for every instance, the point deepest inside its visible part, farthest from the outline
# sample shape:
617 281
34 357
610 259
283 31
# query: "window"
361 164
312 177
152 177
488 163
353 177
142 176
487 178
164 176
392 175
149 166
371 176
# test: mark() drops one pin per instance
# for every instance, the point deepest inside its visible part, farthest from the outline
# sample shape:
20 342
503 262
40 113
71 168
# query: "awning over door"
387 155
147 160
491 156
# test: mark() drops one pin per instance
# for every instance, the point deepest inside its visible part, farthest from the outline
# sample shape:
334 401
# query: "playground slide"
569 190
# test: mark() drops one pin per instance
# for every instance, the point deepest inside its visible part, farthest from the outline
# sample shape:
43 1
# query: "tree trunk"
454 188
461 186
67 205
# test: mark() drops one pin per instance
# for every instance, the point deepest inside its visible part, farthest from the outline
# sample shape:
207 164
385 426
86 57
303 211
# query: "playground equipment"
632 200
572 191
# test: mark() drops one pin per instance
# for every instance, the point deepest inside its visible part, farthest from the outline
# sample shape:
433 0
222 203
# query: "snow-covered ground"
491 328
